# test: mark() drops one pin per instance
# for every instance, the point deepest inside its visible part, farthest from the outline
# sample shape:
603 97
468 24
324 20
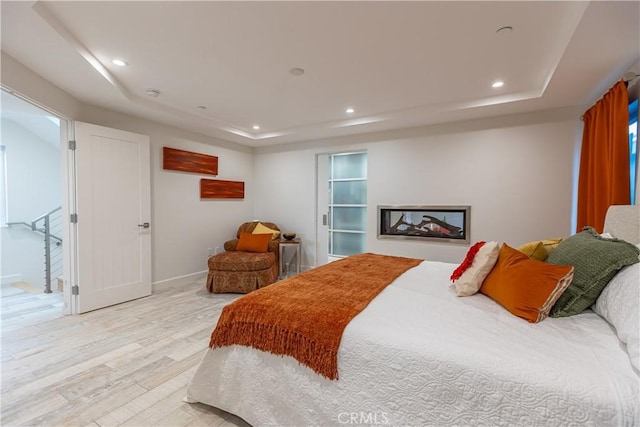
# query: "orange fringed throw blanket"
304 316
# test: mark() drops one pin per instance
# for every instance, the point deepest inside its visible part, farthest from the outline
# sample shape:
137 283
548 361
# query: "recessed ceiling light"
497 84
256 127
154 93
350 110
119 62
202 107
297 71
504 30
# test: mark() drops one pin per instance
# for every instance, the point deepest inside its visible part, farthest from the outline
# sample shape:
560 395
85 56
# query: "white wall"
515 172
33 173
34 188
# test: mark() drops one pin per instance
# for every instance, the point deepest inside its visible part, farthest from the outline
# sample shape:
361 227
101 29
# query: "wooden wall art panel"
218 189
187 161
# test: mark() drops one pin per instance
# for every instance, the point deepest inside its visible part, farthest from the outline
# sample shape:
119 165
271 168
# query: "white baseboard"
178 281
10 278
190 278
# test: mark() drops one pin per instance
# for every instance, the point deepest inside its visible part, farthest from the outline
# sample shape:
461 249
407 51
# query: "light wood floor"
128 364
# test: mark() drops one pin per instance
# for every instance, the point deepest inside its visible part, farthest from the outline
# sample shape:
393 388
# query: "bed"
419 355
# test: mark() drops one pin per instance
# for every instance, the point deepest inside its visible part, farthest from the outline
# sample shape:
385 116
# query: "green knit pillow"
595 260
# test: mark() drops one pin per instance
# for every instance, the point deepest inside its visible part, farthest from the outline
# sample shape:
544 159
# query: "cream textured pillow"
263 229
618 305
471 279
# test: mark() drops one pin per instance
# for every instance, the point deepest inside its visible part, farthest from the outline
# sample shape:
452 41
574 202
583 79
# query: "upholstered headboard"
623 222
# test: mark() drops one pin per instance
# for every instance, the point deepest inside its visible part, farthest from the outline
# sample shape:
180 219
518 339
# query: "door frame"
69 202
322 234
69 231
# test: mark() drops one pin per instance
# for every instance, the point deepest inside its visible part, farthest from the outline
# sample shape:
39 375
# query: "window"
347 203
633 147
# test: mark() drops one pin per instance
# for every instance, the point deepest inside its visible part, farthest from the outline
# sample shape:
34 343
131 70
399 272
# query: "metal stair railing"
51 229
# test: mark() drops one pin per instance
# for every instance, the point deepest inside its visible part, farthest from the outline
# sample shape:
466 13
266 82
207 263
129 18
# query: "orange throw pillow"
526 287
249 242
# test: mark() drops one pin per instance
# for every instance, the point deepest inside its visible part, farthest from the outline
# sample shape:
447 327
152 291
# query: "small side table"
295 243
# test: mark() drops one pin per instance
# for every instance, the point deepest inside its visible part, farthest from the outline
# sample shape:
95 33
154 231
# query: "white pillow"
610 237
619 304
471 280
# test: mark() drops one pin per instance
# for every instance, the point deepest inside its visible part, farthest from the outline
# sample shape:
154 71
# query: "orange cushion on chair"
249 242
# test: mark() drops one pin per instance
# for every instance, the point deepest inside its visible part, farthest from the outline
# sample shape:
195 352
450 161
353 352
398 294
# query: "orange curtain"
604 158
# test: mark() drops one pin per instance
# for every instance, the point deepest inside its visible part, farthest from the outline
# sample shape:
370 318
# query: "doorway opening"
31 252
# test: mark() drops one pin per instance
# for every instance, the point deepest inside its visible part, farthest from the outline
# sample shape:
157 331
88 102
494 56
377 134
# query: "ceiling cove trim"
55 23
361 141
42 10
570 28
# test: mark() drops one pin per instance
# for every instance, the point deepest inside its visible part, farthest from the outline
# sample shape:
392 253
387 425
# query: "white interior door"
113 204
322 203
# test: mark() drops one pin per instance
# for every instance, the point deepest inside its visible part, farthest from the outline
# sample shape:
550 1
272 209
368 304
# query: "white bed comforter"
420 356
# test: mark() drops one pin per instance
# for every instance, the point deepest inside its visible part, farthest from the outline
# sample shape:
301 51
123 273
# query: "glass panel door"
347 203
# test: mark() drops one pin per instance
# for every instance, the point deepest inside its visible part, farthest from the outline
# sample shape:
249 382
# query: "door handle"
144 225
324 219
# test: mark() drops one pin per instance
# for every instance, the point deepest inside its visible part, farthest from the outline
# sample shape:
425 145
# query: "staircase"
49 225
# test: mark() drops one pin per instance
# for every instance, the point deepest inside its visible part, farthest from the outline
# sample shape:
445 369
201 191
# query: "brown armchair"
243 272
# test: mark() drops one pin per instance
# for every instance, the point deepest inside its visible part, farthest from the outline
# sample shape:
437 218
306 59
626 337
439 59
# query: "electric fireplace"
431 223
